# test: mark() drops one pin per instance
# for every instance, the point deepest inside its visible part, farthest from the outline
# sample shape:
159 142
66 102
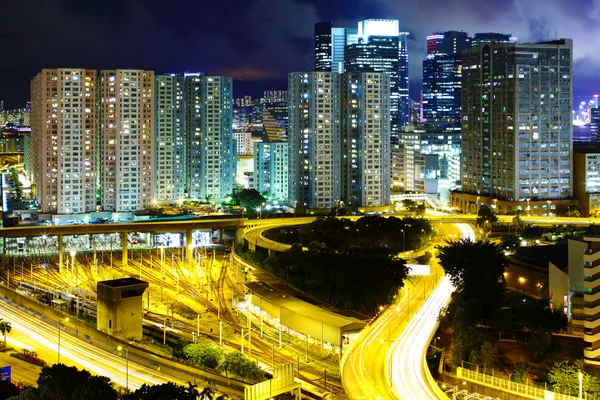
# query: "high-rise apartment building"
170 138
516 130
365 139
314 139
65 130
243 143
377 45
271 169
211 150
127 153
339 139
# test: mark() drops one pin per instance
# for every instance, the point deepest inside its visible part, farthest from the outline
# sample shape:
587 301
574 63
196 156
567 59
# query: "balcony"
590 269
591 257
591 311
591 284
592 324
591 298
591 338
589 353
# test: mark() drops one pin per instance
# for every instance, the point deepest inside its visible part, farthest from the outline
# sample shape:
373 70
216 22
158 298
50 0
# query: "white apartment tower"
64 132
170 137
211 150
127 104
314 139
366 139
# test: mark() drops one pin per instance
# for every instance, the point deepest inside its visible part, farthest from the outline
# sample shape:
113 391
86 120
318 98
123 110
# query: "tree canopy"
476 269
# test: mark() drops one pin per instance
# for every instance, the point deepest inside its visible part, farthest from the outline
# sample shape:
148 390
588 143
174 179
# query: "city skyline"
242 44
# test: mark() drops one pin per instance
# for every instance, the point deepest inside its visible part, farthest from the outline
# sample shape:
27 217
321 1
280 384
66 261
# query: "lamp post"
528 208
477 205
403 240
120 348
259 212
549 205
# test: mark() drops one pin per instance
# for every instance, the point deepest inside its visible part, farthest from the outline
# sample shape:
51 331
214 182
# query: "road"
30 332
411 379
388 360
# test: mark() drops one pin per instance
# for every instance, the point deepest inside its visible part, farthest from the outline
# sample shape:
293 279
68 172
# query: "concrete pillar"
125 245
239 235
60 253
189 254
221 235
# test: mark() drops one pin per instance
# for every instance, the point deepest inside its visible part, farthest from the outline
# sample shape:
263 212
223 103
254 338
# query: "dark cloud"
256 39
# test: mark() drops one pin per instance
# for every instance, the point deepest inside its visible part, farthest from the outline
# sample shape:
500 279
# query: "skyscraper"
211 150
65 130
170 138
442 71
127 154
314 139
377 45
517 131
366 107
339 139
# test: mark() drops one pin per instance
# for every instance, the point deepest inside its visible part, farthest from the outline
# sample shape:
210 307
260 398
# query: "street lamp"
259 212
528 208
549 205
403 240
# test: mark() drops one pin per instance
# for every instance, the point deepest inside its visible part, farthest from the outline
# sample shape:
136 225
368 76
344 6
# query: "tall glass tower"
377 45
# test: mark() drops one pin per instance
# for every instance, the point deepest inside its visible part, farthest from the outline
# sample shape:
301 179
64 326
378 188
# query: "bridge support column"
239 234
189 243
125 245
221 235
60 253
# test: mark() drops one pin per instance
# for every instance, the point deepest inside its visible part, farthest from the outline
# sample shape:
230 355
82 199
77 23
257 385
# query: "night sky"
259 39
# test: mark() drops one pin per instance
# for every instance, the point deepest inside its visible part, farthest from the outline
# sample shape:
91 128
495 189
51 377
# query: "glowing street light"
120 348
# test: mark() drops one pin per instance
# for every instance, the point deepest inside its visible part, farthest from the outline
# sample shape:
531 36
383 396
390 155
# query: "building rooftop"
301 307
123 282
586 147
542 255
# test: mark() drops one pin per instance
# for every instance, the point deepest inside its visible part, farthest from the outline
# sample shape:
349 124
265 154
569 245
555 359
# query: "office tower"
595 124
170 139
491 37
211 149
365 139
65 129
516 130
329 46
128 170
379 46
339 139
442 72
586 177
271 169
314 139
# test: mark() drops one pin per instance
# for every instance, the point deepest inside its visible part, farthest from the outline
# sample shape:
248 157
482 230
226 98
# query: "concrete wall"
558 286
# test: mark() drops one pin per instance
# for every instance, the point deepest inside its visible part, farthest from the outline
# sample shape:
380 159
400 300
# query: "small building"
120 311
327 327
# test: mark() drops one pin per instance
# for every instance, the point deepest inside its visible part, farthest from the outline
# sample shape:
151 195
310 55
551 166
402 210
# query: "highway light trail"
409 372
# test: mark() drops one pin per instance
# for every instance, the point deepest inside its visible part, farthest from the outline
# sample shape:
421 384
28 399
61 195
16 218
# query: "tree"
207 393
488 355
476 269
517 224
486 218
424 258
59 381
466 339
95 388
16 183
573 211
251 199
8 389
5 328
203 354
539 344
564 376
28 393
236 364
520 369
166 391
